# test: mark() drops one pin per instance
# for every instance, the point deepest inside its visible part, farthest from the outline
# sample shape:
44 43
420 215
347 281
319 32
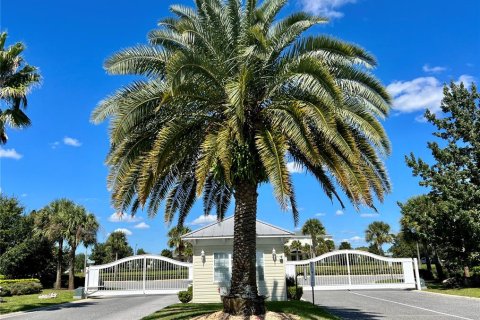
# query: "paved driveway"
395 304
117 308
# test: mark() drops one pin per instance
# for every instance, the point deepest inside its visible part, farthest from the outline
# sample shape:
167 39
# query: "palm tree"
296 246
16 80
315 229
51 221
175 240
378 233
82 227
228 97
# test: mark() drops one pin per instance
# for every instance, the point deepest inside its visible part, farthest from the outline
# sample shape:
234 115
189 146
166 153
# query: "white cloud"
369 215
325 8
55 144
10 153
419 94
141 225
203 219
122 217
321 214
339 212
354 239
294 168
71 142
24 195
436 69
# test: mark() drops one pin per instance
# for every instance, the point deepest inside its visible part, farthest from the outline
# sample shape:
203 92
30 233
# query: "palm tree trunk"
243 298
58 281
71 272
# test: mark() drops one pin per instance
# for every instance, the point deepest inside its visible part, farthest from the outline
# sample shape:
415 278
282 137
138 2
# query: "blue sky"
419 46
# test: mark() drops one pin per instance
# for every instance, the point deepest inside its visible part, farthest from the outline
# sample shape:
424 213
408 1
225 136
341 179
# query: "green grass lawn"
465 292
31 301
190 310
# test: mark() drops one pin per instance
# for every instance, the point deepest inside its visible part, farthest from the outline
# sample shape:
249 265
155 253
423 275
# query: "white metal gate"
354 269
142 274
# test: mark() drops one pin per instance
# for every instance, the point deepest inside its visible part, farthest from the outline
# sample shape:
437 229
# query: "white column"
417 274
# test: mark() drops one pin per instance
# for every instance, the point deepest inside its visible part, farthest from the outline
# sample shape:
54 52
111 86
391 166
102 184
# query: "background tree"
175 240
419 222
454 176
345 245
51 221
16 80
378 233
403 248
167 253
231 95
82 227
315 229
117 247
330 245
99 254
22 254
141 251
296 246
287 252
308 251
80 262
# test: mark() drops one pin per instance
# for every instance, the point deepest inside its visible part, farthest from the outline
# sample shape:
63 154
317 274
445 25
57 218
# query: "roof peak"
225 228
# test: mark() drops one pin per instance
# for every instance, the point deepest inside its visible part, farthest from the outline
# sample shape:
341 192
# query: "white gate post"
85 289
348 270
417 274
190 273
144 273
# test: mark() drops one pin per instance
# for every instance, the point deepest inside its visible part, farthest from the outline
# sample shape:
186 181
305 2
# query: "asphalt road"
395 304
117 308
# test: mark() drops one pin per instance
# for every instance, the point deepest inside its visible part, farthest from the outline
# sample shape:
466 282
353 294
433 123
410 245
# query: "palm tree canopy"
378 232
16 80
230 96
175 239
314 228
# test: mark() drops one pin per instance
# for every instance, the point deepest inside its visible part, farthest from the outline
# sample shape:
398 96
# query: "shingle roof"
224 229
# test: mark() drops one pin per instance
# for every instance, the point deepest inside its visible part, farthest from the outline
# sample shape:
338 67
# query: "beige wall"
206 290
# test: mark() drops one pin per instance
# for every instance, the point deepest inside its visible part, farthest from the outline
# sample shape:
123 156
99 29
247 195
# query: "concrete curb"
18 313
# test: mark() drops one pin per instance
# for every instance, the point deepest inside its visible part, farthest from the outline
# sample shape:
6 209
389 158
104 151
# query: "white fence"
143 274
354 269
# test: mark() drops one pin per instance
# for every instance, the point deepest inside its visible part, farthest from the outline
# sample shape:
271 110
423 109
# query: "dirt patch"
268 316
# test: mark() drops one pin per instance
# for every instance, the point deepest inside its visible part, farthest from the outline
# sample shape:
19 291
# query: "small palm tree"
315 229
51 222
175 240
296 246
82 227
378 233
228 97
16 80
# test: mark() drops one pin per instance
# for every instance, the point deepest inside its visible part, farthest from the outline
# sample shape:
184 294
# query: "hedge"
18 287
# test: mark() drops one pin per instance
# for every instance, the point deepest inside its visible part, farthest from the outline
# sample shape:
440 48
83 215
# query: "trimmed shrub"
186 296
17 287
5 292
294 293
11 281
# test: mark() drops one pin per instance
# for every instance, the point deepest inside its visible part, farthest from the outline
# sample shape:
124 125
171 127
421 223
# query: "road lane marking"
411 306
